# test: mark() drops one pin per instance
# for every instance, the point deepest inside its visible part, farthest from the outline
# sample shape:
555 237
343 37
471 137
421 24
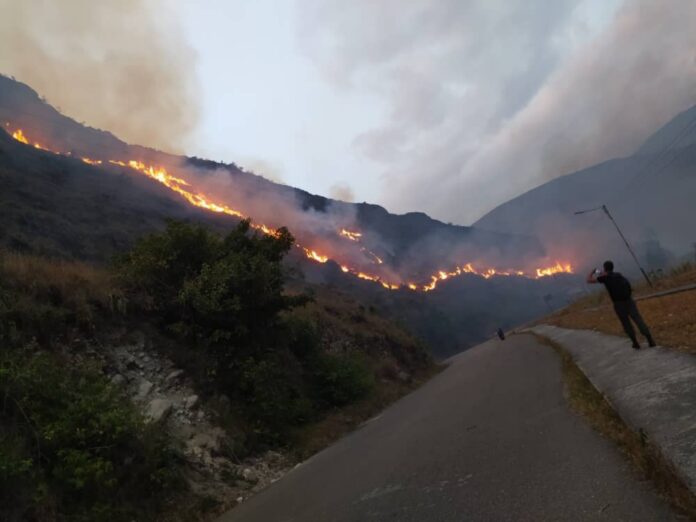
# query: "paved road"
490 438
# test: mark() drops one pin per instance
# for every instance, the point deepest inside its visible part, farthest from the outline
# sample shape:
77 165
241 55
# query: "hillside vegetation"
57 206
73 446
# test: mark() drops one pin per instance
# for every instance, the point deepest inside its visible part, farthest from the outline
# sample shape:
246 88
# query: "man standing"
621 294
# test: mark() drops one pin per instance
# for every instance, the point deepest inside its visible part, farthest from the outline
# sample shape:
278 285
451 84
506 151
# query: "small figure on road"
625 307
501 334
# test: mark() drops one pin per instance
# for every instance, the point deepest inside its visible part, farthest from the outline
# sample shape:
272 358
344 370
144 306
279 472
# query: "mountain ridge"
635 188
57 205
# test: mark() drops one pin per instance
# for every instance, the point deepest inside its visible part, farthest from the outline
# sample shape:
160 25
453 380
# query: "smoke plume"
120 65
489 99
342 192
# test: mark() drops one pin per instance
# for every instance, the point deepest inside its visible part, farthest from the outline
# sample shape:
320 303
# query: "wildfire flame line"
372 256
90 161
198 199
20 137
348 234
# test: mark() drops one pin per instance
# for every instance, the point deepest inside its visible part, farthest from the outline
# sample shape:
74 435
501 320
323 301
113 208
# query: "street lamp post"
604 209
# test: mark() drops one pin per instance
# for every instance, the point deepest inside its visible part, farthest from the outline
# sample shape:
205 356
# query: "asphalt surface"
490 438
652 389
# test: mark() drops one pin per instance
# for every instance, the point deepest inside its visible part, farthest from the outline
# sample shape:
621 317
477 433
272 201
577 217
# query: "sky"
449 107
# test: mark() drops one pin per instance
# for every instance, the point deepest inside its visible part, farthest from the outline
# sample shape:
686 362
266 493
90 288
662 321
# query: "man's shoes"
636 346
651 342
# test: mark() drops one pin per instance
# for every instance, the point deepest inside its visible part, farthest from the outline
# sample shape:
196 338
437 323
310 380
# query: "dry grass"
671 318
643 455
342 313
50 299
346 325
70 281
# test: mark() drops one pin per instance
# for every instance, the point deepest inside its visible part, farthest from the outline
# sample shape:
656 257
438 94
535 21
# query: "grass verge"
644 456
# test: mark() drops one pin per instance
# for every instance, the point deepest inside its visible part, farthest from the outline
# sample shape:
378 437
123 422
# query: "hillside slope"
410 245
57 205
649 193
111 413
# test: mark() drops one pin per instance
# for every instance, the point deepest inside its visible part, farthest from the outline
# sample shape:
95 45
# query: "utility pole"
604 209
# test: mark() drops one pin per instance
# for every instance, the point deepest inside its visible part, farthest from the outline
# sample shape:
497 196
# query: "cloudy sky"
448 107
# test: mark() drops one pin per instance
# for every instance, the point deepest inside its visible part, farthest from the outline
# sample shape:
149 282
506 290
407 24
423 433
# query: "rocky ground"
167 396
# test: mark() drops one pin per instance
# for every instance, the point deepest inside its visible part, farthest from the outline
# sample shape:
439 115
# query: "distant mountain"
651 195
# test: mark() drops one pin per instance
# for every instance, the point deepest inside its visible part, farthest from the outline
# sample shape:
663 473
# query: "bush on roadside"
340 380
73 447
224 296
274 396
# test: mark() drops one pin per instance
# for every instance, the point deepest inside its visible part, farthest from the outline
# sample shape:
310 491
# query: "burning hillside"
370 266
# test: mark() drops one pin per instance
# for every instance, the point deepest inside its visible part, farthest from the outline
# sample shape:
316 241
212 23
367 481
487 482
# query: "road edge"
645 454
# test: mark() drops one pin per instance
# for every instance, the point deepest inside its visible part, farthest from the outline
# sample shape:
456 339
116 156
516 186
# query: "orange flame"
487 273
558 268
90 161
312 254
198 199
20 137
348 234
373 257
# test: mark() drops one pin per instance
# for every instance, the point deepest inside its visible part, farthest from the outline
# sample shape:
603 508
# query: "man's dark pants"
627 310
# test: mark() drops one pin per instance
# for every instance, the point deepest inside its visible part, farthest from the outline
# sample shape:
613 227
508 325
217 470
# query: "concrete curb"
653 390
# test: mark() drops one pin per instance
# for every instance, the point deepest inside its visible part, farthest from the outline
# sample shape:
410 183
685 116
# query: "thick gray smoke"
120 65
275 206
342 192
489 99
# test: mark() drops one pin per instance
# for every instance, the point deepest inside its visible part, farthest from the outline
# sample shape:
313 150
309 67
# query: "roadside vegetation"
671 318
72 447
298 366
644 456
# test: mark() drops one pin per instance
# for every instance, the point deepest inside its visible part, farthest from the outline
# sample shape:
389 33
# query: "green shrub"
340 380
223 293
273 395
160 263
75 443
302 337
224 296
17 476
